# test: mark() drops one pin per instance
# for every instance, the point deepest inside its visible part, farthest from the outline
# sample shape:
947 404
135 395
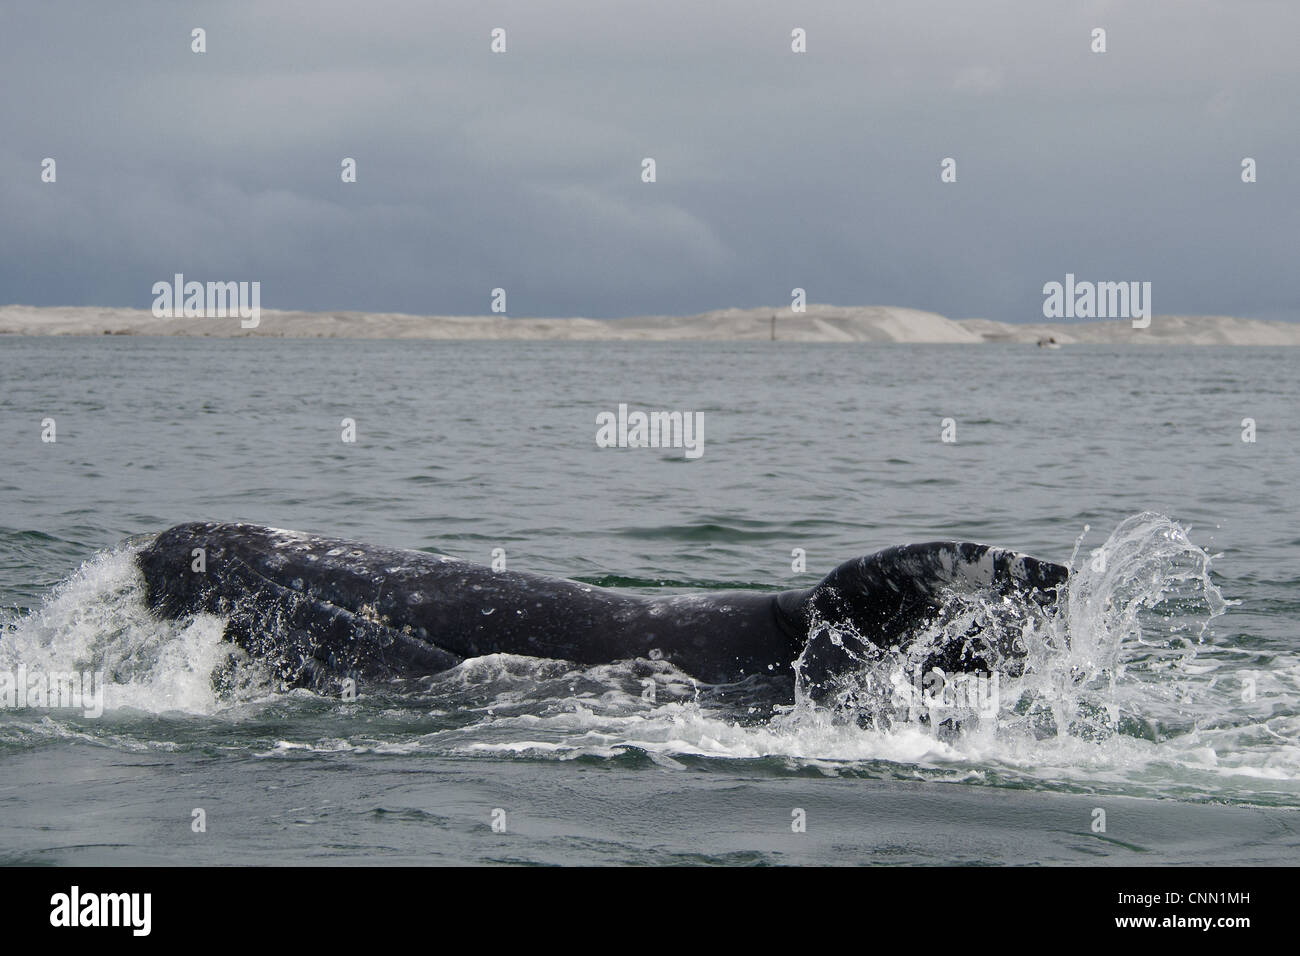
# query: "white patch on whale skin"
284 538
978 572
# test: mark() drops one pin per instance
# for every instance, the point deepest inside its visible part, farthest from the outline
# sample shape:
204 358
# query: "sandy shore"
820 323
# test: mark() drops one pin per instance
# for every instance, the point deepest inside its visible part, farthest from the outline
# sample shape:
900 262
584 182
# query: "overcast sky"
523 170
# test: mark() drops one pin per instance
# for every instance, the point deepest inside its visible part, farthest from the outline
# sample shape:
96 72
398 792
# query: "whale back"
303 605
320 608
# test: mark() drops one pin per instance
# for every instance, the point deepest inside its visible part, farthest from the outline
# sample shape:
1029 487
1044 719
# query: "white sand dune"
820 323
1164 330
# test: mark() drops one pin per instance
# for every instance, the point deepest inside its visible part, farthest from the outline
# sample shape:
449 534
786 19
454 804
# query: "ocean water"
1166 704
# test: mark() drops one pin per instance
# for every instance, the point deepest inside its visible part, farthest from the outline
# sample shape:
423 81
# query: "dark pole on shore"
773 326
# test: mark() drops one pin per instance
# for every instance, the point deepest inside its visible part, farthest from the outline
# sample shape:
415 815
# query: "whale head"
953 606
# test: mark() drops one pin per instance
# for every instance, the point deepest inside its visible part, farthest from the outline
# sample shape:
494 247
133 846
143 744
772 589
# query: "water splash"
1116 654
1122 655
97 621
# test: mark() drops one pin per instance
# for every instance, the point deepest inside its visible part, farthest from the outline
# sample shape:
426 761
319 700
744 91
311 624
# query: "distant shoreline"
820 323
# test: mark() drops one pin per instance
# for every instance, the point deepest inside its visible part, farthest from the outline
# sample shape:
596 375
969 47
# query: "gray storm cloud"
522 170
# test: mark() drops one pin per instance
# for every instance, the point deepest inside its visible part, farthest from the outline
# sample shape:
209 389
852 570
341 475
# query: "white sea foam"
97 621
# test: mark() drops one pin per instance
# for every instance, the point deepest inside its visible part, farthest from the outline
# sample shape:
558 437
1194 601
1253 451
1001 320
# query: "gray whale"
320 609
